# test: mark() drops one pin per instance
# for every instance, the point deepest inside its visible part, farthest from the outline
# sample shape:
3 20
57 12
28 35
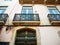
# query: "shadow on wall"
59 33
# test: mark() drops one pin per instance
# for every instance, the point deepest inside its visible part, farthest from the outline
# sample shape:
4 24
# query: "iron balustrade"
54 17
26 17
3 17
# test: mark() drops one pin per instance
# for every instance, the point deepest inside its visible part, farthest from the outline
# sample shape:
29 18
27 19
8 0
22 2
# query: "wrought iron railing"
26 17
54 17
3 17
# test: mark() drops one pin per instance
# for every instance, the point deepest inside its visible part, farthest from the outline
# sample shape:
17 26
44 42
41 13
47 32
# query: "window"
3 17
25 36
53 10
54 13
2 9
27 12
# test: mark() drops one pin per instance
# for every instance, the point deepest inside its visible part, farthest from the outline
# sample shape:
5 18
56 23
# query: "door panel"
27 38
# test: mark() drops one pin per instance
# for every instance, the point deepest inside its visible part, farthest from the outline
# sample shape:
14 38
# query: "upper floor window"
27 10
54 15
53 10
2 9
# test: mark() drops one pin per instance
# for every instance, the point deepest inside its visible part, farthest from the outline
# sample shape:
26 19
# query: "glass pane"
2 11
51 12
24 11
54 11
30 12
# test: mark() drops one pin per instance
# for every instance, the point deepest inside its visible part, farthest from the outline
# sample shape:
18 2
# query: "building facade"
30 22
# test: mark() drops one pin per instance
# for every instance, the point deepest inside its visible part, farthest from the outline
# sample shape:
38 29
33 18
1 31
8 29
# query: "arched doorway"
25 36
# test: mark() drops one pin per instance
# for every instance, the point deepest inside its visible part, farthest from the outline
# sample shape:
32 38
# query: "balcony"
3 18
26 19
54 19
